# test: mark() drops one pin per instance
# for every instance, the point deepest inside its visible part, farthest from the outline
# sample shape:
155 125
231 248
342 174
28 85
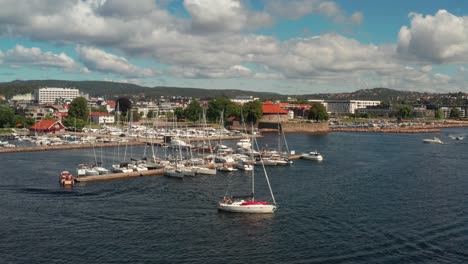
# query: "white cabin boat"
313 155
434 140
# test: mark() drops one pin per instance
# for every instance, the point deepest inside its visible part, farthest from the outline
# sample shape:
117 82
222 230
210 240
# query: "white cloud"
426 68
235 71
213 16
357 18
22 56
99 60
442 38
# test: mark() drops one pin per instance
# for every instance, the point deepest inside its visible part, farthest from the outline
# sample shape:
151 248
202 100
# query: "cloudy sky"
284 46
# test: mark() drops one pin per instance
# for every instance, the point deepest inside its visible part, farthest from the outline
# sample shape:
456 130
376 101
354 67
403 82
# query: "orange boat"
66 178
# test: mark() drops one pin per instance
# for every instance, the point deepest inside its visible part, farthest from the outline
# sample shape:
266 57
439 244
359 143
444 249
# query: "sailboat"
248 204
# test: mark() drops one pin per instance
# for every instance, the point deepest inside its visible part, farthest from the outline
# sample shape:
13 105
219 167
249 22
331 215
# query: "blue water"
376 198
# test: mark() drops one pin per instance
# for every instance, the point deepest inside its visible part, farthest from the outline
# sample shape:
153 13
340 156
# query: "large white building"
51 94
348 106
242 99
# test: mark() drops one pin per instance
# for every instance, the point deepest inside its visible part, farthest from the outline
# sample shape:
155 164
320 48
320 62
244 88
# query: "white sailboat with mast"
248 204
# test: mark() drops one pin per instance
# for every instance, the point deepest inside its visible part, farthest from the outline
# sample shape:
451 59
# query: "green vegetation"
252 111
318 112
79 109
194 111
455 113
72 123
219 105
404 111
438 114
7 117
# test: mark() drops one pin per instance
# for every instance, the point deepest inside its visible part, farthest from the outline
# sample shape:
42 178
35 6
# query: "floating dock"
116 176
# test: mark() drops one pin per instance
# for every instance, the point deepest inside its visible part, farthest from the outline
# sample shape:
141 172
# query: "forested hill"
112 90
380 94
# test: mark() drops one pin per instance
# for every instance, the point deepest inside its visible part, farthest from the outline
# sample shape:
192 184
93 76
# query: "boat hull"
247 209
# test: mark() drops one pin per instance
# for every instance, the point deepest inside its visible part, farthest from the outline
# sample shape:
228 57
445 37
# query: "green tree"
100 109
48 117
252 111
438 114
455 113
179 113
219 105
193 111
79 109
151 114
72 123
7 117
317 112
404 111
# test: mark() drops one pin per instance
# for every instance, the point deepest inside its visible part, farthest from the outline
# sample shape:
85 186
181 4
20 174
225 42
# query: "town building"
102 118
274 113
339 107
242 99
446 111
47 126
55 95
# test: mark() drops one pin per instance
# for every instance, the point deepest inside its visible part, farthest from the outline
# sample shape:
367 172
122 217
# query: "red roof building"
273 113
48 126
270 108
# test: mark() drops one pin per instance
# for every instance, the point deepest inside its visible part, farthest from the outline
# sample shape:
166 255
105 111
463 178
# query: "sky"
283 46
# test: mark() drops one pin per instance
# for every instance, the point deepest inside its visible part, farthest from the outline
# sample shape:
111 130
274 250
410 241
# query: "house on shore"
47 126
273 113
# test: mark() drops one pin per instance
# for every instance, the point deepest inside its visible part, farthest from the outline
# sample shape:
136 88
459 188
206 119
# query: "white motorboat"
226 167
313 155
434 140
244 166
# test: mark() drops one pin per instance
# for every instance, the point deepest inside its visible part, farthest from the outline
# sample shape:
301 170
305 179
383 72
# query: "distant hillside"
114 89
378 94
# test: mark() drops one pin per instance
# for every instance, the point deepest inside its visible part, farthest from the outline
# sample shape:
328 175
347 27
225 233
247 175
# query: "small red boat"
66 178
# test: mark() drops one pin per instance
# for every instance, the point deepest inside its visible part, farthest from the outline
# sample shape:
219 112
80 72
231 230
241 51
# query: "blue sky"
288 47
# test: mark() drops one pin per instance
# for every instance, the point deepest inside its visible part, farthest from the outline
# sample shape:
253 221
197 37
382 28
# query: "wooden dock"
116 176
295 157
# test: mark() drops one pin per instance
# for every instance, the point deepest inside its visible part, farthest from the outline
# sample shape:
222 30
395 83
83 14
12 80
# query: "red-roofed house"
273 112
102 118
48 126
110 105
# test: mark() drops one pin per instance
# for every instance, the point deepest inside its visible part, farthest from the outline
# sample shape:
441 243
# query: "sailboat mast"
253 169
266 175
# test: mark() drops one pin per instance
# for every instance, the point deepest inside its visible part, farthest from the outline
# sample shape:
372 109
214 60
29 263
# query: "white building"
242 99
22 97
348 106
51 94
446 111
102 118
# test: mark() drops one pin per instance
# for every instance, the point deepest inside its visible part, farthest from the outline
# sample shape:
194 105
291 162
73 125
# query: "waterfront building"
102 118
47 126
273 113
53 94
446 111
338 107
242 99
